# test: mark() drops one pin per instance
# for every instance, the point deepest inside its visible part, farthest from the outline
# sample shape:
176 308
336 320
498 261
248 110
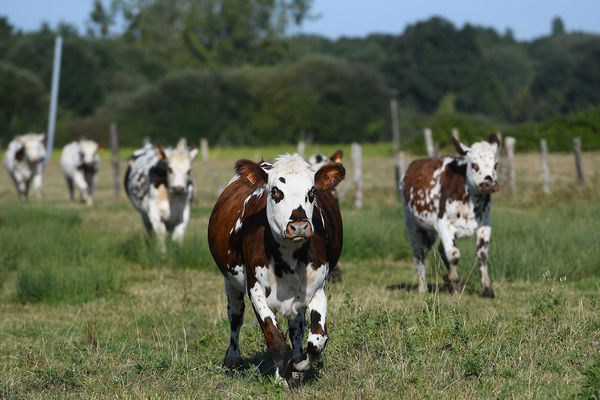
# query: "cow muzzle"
298 231
488 186
178 190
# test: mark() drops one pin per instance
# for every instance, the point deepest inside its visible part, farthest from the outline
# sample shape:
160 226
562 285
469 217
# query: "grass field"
89 309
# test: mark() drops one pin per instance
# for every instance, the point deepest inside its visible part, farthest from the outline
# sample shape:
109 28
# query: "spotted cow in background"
159 184
275 232
317 161
450 197
24 161
80 163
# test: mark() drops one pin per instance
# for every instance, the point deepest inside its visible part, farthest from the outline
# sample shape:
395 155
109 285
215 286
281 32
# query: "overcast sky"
527 18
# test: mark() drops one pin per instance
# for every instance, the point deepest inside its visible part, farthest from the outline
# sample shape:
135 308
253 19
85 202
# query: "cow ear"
494 139
193 153
338 156
329 176
160 153
252 172
460 148
42 136
20 154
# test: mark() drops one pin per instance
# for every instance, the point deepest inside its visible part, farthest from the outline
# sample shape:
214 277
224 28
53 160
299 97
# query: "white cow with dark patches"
24 161
80 163
159 184
450 197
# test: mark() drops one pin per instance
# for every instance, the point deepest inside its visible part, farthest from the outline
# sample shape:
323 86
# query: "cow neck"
480 201
285 256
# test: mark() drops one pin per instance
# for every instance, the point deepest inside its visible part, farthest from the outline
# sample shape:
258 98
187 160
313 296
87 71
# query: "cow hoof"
297 377
457 287
232 363
488 292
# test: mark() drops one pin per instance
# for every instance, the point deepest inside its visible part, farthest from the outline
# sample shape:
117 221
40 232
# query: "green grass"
90 309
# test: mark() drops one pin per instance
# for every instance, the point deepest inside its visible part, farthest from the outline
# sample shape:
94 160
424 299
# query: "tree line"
234 72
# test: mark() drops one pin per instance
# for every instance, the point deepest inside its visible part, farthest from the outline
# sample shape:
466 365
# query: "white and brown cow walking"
24 161
450 197
275 233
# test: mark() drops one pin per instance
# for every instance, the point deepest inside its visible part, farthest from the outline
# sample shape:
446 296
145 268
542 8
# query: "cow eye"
475 167
276 194
311 194
189 171
170 170
495 165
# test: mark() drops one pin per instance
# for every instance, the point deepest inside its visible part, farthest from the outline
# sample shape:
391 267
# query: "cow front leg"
268 324
484 234
317 336
300 360
235 314
179 231
37 185
158 227
70 188
450 254
82 187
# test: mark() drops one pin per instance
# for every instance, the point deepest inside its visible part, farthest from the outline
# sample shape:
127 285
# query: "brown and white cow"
450 197
275 233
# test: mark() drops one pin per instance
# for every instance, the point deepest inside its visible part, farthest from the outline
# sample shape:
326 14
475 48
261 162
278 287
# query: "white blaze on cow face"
89 151
33 146
291 200
482 161
179 168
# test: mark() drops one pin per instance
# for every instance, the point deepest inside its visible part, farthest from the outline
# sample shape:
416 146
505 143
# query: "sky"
527 18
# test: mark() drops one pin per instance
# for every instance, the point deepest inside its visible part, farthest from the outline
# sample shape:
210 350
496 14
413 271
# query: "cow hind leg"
420 241
235 314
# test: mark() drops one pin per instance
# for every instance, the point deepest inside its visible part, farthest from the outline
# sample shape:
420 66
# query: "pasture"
90 309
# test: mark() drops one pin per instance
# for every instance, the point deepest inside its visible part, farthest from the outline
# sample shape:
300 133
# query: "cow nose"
178 190
298 229
489 185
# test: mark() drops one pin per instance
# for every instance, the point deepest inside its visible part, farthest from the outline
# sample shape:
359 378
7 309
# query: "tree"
101 19
558 27
210 32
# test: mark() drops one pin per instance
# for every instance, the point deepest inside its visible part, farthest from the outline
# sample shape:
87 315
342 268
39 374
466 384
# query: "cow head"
318 160
179 166
32 147
290 184
88 152
482 161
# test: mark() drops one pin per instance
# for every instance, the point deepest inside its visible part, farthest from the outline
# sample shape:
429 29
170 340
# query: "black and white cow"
80 163
275 233
24 161
450 197
160 186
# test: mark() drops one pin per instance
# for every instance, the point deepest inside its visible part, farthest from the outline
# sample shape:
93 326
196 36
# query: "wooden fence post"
429 142
115 160
399 169
578 162
509 143
395 125
358 177
301 148
545 169
204 149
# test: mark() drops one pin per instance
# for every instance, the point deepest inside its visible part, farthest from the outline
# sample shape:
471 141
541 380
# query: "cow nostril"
293 227
488 178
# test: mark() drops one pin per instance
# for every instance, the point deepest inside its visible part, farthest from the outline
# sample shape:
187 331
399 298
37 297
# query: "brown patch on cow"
162 193
298 214
20 154
453 185
418 178
276 194
160 153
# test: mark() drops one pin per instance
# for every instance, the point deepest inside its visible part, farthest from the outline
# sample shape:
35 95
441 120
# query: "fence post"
429 142
578 162
545 169
204 149
510 143
116 160
395 125
399 169
358 177
301 148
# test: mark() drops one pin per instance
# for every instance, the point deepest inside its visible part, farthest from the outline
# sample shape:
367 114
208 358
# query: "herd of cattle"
276 231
